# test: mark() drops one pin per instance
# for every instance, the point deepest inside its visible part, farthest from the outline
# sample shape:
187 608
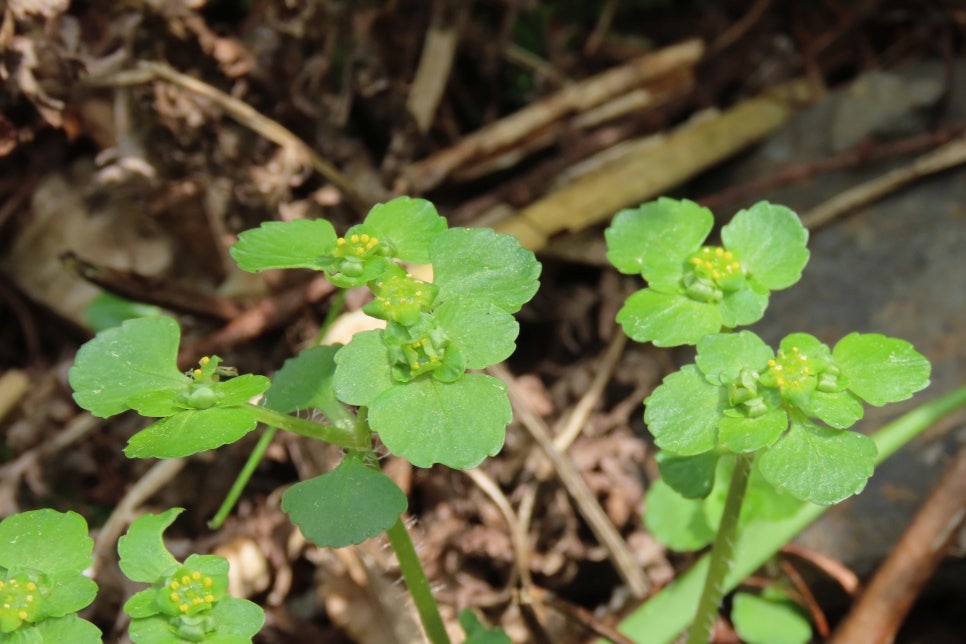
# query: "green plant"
743 412
411 382
186 601
43 554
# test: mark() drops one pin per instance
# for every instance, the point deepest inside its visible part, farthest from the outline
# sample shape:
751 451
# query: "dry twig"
587 504
883 606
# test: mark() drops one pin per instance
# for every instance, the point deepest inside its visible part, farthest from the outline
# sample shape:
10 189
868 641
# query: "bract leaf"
745 306
141 604
677 522
741 434
363 370
667 319
409 225
69 592
278 244
480 264
770 242
240 389
722 357
192 431
839 409
656 238
143 555
456 423
485 333
819 464
880 369
348 505
68 628
126 361
684 411
238 620
690 476
152 630
762 620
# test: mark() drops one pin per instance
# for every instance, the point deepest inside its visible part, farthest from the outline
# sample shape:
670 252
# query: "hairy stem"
417 582
722 554
342 436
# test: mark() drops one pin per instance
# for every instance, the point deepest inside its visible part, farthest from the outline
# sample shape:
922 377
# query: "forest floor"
137 139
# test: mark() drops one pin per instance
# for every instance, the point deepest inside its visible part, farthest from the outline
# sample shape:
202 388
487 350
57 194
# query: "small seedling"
187 602
43 555
744 412
415 383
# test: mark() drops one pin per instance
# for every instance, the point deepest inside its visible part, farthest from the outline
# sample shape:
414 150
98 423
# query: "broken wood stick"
579 97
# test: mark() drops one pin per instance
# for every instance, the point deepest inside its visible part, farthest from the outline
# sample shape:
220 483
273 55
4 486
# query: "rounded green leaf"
346 506
677 522
409 225
485 333
722 357
770 240
667 319
69 628
880 369
143 555
683 412
69 592
290 244
45 540
306 381
740 434
456 423
363 370
240 389
237 621
107 310
690 476
769 620
192 431
839 409
656 238
152 630
480 264
819 464
126 361
745 306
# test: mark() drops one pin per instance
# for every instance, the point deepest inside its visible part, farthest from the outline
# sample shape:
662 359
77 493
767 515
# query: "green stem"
417 582
341 436
722 554
242 479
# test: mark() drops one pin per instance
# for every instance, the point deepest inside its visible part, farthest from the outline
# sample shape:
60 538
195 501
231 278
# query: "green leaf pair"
43 554
186 602
741 397
134 366
400 229
695 290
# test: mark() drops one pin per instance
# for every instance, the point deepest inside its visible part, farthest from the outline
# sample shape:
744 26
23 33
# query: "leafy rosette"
792 407
186 602
134 366
411 376
400 229
43 555
696 289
